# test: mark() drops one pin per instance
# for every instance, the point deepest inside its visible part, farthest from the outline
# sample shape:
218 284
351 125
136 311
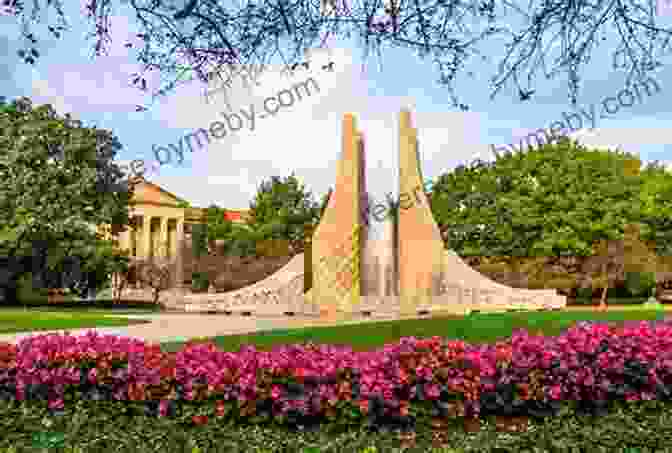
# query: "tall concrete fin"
336 246
419 239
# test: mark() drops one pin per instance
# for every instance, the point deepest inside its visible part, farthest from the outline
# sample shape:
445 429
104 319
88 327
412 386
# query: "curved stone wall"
278 294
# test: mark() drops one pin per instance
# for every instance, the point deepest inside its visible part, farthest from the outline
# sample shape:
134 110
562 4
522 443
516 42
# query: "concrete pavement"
171 327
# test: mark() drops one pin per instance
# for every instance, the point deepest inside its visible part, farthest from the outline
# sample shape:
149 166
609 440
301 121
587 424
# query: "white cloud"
624 136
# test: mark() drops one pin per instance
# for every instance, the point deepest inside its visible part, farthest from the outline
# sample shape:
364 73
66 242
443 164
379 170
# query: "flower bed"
400 384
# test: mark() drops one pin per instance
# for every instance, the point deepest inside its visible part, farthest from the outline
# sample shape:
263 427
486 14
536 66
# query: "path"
171 327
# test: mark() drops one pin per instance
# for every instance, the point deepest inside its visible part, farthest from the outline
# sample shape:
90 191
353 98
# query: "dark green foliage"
556 200
656 206
219 227
281 209
57 180
239 240
107 427
561 202
584 293
199 239
640 283
283 198
199 281
279 212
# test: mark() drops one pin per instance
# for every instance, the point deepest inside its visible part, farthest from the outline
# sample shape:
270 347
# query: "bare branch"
213 34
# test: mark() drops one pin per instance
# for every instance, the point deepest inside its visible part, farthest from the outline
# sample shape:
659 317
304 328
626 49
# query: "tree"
280 211
199 239
612 261
541 212
219 227
656 205
216 36
155 273
155 276
238 238
556 200
57 183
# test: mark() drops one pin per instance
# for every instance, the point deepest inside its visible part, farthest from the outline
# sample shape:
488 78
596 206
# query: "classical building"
161 220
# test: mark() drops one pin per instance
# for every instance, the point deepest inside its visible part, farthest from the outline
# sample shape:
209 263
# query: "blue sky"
306 137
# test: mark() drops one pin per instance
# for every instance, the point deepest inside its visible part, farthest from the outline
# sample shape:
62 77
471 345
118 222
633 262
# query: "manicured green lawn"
12 321
477 328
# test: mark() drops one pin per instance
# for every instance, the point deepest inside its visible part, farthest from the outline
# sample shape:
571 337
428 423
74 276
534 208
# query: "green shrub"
584 293
107 427
199 281
27 293
640 284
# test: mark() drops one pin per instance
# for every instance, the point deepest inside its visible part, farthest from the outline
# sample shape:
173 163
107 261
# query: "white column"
146 235
125 239
179 259
163 237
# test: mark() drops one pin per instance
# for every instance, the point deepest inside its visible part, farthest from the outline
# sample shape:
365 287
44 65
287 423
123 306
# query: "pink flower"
56 404
433 391
555 392
163 408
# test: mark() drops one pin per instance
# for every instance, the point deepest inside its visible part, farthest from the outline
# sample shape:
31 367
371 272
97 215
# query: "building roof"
147 192
151 193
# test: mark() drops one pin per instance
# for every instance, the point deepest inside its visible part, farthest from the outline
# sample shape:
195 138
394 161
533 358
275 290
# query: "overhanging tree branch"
225 34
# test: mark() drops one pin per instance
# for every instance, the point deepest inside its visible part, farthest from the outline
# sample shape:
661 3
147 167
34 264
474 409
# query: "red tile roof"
232 215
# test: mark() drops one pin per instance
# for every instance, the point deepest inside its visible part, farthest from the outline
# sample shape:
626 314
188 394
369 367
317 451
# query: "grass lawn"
476 328
17 320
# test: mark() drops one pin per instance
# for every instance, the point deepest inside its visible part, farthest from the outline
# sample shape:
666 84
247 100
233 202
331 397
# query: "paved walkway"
171 327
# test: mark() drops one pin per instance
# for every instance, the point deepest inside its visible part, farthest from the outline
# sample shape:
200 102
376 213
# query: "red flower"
199 419
166 372
503 354
403 408
136 392
524 389
220 409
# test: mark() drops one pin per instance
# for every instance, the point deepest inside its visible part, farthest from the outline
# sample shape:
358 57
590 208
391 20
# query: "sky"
305 138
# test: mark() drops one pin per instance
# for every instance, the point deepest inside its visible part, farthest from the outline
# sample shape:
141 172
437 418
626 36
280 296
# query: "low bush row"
88 427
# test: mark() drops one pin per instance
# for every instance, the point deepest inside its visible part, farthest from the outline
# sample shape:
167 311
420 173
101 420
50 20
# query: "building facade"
161 220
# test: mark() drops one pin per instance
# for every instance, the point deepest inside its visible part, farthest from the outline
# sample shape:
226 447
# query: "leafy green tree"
628 260
57 183
239 239
556 200
553 36
656 205
542 212
280 211
199 239
219 227
155 274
